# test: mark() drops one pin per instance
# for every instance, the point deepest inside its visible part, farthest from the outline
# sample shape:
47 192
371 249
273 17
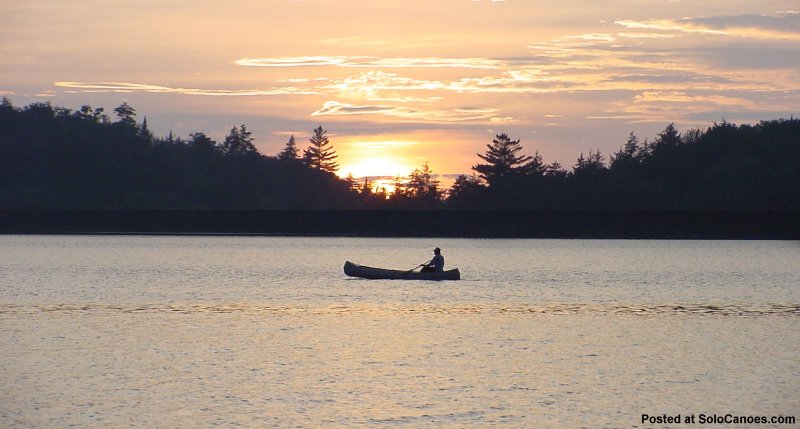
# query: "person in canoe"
435 265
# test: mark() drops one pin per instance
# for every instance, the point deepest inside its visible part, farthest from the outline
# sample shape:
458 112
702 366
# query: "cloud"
782 27
312 61
673 97
696 107
126 87
669 25
664 70
645 35
372 62
429 62
464 114
380 145
515 81
668 78
381 86
377 80
648 68
661 60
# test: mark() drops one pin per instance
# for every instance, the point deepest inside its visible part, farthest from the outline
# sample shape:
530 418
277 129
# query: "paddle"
420 265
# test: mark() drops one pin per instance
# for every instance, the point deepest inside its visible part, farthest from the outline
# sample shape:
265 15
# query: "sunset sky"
398 83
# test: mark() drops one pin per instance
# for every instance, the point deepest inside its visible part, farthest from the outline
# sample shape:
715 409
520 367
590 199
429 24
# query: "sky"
400 83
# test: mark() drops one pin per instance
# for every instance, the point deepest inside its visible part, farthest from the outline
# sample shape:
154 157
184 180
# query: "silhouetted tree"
145 132
466 191
352 183
423 185
6 106
55 158
239 142
320 155
502 160
97 115
202 143
535 167
667 139
289 152
628 155
594 162
126 114
555 170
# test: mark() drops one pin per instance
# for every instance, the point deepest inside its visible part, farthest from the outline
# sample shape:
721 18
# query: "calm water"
119 331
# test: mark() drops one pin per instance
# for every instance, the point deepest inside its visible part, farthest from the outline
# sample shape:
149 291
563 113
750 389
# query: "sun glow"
375 167
377 159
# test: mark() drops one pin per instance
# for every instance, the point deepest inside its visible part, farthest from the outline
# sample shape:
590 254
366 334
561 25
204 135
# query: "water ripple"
687 309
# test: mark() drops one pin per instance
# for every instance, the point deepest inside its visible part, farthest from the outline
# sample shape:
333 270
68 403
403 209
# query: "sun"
379 158
384 167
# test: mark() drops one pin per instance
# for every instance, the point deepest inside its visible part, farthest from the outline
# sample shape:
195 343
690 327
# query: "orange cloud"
409 62
335 108
125 87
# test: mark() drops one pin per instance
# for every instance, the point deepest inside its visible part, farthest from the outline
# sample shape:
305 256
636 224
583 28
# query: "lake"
203 331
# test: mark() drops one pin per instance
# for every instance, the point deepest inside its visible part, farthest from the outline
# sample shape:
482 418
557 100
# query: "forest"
53 158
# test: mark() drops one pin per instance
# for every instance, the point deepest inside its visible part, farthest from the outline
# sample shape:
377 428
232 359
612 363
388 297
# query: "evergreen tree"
555 170
669 138
535 167
422 184
465 190
201 141
6 104
502 160
145 132
87 114
54 158
289 152
126 114
320 155
239 142
399 188
595 161
353 184
628 155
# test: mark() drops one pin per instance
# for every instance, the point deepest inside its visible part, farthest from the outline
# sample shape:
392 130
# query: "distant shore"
610 224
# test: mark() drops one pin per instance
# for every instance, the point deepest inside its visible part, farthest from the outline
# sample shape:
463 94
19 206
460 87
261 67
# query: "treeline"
54 158
57 158
724 167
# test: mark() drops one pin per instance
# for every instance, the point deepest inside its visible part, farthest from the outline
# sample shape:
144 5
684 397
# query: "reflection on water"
772 309
268 332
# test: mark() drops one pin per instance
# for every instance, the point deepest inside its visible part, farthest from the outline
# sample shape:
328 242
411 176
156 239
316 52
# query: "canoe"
364 272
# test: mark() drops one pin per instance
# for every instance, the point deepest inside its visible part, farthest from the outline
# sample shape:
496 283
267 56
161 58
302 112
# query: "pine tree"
595 161
6 104
145 132
289 152
668 138
502 160
126 114
200 141
555 170
628 154
423 185
239 142
320 155
97 116
465 189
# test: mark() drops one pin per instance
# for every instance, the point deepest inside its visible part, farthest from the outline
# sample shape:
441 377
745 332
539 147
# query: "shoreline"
560 224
